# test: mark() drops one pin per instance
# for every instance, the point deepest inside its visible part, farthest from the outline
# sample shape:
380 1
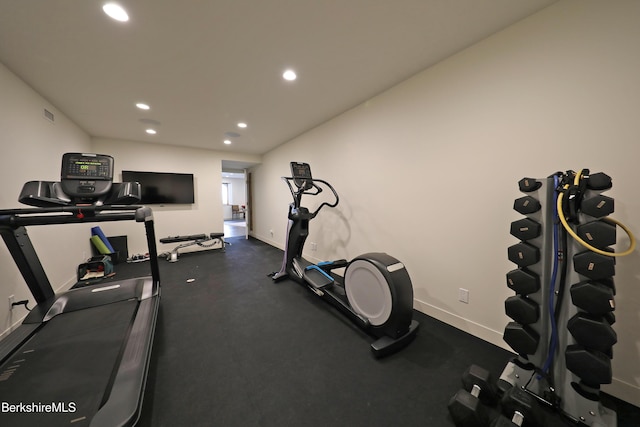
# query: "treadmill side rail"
124 404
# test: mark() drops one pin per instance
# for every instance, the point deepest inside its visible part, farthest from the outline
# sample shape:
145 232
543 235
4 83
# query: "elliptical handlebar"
307 185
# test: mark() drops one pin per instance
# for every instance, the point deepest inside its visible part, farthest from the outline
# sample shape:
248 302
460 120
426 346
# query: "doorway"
236 198
234 203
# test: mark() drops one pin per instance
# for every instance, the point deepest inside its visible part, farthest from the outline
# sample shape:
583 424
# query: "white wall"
32 149
428 170
204 216
237 195
237 190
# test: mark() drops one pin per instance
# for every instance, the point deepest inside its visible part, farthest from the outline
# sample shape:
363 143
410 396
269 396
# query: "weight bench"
194 239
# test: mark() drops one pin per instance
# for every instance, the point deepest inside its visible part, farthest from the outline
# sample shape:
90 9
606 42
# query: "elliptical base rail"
386 345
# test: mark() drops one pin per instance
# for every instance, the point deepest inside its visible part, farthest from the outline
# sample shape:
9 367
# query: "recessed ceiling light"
115 11
242 125
289 75
142 106
227 141
151 131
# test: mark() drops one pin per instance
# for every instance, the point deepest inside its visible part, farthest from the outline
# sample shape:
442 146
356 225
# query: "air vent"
49 115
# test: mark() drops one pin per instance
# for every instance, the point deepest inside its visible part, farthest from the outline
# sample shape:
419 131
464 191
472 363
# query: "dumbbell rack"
563 305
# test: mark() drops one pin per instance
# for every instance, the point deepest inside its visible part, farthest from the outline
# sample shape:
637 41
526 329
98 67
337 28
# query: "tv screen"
162 187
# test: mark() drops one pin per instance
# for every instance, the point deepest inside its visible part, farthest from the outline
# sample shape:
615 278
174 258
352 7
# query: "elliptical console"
376 291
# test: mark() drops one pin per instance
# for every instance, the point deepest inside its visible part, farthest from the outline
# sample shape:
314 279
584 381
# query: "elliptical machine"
375 292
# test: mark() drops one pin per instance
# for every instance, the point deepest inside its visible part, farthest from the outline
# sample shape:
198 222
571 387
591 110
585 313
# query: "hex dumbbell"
525 229
521 338
522 309
592 331
593 265
598 234
593 367
595 297
523 254
526 205
467 405
519 409
599 181
523 281
527 185
598 206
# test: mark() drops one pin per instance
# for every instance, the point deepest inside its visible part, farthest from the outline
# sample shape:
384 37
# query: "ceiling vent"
49 115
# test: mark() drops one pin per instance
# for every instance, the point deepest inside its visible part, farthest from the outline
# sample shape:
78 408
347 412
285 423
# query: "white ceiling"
204 65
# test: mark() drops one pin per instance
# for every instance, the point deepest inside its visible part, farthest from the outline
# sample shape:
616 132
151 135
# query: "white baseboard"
618 388
64 287
623 391
473 328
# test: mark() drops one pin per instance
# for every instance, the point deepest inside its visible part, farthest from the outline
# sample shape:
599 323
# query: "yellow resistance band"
563 220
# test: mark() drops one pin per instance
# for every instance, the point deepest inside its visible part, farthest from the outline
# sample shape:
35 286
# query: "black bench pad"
176 239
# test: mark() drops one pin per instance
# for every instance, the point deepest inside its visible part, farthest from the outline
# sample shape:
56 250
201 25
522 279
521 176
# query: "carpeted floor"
233 348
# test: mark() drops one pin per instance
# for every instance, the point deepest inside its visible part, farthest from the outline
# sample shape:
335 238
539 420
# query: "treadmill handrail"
30 267
68 212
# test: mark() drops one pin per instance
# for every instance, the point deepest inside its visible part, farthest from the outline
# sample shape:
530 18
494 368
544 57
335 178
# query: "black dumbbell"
477 377
598 206
526 205
519 409
522 309
523 339
523 254
523 282
595 297
467 405
593 265
527 185
599 181
599 233
592 366
592 331
526 229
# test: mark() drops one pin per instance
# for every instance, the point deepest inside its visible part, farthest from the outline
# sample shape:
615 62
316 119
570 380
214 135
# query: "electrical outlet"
12 299
314 246
463 295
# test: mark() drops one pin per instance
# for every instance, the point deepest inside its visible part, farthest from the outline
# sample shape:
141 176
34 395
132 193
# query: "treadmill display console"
87 166
86 175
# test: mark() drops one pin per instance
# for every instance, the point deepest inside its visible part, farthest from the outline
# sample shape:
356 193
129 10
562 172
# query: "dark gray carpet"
233 348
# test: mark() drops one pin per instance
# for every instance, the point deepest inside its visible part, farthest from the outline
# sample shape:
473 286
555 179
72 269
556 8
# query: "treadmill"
80 358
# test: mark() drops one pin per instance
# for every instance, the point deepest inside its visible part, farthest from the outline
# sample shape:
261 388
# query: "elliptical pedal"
317 278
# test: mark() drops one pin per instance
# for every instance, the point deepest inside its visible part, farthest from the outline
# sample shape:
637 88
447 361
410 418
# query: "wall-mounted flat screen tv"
162 187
